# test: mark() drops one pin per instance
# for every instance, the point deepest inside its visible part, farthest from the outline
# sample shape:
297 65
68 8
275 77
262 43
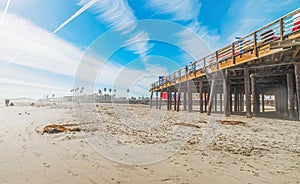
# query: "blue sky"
111 41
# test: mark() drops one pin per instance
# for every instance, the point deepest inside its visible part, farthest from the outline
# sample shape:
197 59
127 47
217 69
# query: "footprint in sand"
37 154
46 165
72 173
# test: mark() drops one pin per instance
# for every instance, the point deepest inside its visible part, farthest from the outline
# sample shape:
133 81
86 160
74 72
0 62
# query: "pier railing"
274 31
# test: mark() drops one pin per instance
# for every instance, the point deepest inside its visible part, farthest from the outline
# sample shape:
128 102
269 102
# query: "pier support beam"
255 96
168 99
205 102
175 99
212 94
179 95
247 91
241 102
235 100
171 103
151 96
263 102
161 95
156 100
291 94
190 98
226 91
285 100
297 76
184 100
216 102
221 102
201 95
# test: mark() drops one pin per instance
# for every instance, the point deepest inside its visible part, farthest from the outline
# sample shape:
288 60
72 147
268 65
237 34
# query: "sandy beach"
256 150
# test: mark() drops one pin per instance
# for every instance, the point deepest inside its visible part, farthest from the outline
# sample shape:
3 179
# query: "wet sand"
258 150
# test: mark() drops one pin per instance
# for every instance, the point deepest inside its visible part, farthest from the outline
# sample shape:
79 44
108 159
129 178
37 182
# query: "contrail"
11 60
81 10
5 11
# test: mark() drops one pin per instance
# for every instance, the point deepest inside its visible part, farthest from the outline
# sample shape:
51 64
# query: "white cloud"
41 49
47 60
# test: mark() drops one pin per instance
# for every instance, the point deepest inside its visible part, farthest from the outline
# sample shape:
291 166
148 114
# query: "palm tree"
99 91
53 95
104 89
115 92
127 92
110 90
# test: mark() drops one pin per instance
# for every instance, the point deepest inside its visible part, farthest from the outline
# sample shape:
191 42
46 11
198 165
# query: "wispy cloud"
120 17
76 14
179 10
5 11
139 44
197 45
254 14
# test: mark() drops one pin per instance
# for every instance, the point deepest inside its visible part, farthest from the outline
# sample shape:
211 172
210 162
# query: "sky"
52 46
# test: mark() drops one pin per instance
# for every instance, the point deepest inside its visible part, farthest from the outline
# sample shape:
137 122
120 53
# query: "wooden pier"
237 78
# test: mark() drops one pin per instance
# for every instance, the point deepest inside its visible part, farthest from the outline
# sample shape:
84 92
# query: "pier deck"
237 78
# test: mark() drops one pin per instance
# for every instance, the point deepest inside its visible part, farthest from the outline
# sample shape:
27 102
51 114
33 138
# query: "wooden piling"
221 102
235 100
241 102
184 100
190 97
179 95
297 77
255 96
161 95
168 99
201 95
212 94
226 88
285 99
156 100
216 102
151 96
247 91
291 94
205 102
263 102
175 100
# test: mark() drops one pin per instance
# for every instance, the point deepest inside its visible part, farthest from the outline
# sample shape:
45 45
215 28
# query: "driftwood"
224 122
54 128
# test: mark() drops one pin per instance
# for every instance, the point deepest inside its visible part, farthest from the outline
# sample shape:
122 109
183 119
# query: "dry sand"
257 150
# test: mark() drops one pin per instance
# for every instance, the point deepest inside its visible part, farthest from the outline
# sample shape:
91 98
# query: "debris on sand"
187 124
226 122
54 128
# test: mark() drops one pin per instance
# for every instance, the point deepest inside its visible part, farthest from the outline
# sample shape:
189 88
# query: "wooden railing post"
255 44
281 29
233 51
217 61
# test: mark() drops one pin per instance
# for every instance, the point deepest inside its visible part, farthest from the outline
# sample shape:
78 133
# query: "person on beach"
6 102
